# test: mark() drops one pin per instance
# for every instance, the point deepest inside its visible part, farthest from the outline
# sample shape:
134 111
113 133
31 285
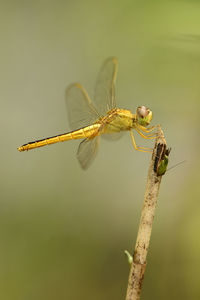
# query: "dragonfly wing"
114 136
87 151
81 111
104 96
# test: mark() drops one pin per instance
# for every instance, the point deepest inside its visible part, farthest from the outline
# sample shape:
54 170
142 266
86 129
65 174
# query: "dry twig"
145 227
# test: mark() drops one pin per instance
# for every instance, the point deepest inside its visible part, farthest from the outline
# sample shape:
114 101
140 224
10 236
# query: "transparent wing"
87 151
114 136
104 96
81 111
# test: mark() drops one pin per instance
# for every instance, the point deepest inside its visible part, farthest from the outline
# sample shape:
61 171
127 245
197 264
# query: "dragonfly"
91 120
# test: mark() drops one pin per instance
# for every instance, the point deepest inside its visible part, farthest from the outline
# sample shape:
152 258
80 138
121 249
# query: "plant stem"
138 265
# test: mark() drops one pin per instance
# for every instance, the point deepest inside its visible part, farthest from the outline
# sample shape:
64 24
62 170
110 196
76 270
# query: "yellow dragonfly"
89 121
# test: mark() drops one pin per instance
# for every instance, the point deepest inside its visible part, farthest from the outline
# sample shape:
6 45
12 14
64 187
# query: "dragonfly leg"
138 148
147 130
148 136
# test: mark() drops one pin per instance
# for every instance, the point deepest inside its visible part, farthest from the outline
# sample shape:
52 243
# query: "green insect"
161 160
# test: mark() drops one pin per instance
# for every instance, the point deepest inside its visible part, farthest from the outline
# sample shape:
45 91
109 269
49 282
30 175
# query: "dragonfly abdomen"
86 132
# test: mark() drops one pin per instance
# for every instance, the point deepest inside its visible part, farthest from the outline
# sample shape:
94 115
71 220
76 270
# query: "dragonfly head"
143 115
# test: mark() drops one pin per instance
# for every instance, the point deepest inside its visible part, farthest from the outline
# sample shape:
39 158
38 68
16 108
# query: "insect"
91 120
161 159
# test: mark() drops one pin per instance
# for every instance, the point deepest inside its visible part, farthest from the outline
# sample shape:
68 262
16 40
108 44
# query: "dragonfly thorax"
118 119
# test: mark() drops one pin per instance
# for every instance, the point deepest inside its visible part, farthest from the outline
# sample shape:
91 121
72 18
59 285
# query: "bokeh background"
63 231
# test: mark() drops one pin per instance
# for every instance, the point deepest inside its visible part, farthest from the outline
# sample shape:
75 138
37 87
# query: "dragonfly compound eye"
144 115
142 111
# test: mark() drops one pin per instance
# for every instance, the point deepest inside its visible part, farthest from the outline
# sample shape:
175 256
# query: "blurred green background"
63 230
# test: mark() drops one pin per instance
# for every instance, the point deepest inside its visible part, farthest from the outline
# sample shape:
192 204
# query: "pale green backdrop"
63 230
